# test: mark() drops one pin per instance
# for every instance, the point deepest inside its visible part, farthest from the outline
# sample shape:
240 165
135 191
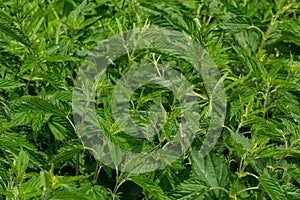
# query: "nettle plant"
254 44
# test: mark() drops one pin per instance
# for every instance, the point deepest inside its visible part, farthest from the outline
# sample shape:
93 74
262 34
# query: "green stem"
97 172
246 189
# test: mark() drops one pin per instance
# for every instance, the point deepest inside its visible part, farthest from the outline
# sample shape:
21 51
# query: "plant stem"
97 172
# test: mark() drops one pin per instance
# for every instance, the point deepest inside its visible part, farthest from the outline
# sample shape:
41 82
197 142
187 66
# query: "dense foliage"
256 46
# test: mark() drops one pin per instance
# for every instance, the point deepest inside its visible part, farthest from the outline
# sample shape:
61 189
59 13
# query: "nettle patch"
46 152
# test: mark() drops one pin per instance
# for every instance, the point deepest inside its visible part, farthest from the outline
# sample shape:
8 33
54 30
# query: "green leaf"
278 152
68 195
46 179
116 154
271 187
12 32
68 151
249 40
13 143
37 121
6 193
42 105
10 84
240 139
58 58
29 64
295 173
32 187
211 170
98 192
151 187
22 118
76 17
235 24
64 180
5 15
22 163
88 22
189 189
57 130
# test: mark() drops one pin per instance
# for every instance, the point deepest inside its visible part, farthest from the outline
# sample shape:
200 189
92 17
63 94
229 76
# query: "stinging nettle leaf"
211 170
10 84
189 189
150 186
271 187
42 105
22 163
295 173
12 32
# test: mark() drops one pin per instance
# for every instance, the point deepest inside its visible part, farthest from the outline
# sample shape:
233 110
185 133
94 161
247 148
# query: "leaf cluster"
256 47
